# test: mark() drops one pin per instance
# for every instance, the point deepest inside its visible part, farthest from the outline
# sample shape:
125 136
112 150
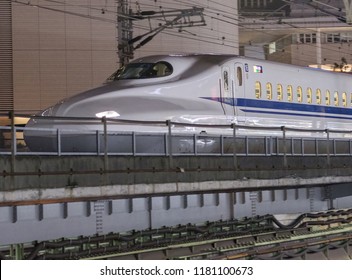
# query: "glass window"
289 93
143 71
279 92
269 91
318 96
309 95
299 94
336 98
226 80
239 76
258 90
344 99
327 98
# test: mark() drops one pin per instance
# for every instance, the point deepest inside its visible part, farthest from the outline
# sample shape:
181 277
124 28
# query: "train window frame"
318 96
279 92
309 95
336 98
327 97
289 93
258 90
269 91
344 99
299 94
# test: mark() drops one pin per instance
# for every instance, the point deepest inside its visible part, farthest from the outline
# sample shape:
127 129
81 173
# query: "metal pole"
234 147
168 123
283 128
58 142
327 146
13 146
106 160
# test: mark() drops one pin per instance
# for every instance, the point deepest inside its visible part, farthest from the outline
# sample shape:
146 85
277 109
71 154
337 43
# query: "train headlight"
107 114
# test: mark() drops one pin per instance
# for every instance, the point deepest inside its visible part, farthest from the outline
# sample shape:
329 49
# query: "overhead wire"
214 13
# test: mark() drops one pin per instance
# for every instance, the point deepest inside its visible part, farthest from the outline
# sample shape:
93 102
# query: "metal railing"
221 140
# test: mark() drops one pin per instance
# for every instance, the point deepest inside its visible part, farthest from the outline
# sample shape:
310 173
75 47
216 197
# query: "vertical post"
19 251
168 123
327 147
234 146
106 162
283 129
13 134
97 137
195 144
124 32
134 145
13 146
58 135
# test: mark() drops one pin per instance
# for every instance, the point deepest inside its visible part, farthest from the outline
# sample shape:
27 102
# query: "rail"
203 139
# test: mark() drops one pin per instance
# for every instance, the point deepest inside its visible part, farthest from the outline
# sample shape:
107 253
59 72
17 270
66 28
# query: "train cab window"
309 95
279 92
258 90
327 97
299 94
344 99
239 76
289 93
269 91
336 98
144 70
318 96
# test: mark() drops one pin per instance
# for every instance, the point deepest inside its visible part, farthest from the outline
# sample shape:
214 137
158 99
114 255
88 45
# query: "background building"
300 32
52 49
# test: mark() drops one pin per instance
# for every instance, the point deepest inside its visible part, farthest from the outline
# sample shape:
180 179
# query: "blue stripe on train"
286 108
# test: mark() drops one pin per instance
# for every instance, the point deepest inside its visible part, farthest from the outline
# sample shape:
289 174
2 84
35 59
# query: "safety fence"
112 137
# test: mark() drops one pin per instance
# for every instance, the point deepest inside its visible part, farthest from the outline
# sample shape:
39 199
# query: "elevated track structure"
64 194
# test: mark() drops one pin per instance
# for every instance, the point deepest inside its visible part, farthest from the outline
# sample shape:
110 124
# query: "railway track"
261 237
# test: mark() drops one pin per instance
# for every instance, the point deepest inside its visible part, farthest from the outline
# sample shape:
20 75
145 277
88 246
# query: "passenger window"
318 96
279 92
336 98
309 95
258 90
299 94
269 91
289 93
327 98
344 99
226 80
239 76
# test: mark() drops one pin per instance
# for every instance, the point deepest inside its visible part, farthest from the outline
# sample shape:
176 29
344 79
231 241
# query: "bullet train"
196 89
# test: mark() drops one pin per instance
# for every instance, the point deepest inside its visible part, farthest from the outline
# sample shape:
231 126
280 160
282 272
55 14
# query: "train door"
239 88
226 90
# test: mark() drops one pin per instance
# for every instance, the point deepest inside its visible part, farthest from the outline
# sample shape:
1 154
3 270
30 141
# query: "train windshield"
142 71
